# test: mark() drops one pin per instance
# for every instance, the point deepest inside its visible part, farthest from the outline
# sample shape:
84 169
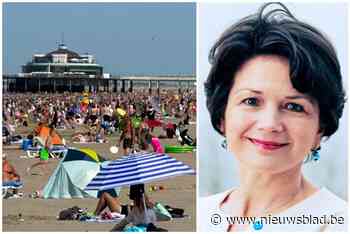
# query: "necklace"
256 220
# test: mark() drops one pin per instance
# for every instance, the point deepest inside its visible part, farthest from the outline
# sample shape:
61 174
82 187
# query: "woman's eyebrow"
247 90
307 98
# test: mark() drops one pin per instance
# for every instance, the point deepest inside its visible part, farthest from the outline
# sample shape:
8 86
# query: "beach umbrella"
73 173
136 169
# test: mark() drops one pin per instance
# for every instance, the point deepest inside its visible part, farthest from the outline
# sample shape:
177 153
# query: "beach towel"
16 139
11 184
112 217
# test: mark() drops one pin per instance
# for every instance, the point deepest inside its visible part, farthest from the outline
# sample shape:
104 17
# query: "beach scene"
103 140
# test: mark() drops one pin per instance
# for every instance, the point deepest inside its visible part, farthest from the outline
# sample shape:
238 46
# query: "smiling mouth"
267 145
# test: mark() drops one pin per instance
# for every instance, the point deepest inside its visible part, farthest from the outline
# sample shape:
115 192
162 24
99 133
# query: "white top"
322 203
136 217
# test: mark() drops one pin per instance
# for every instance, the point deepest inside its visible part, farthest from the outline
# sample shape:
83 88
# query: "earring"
224 143
314 155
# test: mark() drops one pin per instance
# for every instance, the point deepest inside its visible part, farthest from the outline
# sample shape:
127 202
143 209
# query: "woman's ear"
222 126
321 130
318 138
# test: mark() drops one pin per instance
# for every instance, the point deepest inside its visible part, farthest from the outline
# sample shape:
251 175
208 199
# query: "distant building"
63 62
64 70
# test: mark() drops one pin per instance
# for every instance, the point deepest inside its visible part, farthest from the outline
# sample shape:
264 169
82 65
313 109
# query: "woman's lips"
267 145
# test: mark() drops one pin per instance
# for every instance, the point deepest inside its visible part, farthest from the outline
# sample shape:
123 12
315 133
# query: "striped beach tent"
136 169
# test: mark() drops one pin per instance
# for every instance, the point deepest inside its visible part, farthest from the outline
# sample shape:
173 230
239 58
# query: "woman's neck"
261 193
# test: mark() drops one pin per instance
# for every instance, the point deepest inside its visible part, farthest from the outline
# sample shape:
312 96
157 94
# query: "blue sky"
126 38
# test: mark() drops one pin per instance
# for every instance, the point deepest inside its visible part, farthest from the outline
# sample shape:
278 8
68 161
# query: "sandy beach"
41 214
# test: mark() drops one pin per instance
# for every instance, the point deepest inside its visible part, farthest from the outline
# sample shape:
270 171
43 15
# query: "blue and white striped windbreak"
136 169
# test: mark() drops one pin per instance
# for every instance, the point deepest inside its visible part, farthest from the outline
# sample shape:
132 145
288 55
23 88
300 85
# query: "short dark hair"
313 62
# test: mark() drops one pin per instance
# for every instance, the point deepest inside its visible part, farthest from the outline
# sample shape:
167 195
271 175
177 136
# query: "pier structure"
58 83
63 70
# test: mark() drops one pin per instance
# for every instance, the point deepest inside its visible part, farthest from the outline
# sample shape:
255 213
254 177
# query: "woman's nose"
270 120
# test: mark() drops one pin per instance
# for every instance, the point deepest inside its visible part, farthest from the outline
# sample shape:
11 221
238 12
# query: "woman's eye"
294 107
251 101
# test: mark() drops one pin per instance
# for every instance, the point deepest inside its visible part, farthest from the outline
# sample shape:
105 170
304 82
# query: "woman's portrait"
273 132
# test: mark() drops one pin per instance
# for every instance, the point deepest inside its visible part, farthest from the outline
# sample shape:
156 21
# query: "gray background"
217 167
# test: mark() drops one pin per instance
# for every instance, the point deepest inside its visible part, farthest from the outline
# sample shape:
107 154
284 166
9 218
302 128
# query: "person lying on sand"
10 177
108 198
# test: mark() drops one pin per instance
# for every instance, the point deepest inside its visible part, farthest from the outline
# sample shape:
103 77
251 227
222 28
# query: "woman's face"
269 125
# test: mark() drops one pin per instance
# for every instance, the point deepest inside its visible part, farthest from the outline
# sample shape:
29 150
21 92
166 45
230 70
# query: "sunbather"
8 134
83 137
10 177
108 198
47 135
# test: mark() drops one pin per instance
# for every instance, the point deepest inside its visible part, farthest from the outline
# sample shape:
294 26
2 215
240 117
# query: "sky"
126 38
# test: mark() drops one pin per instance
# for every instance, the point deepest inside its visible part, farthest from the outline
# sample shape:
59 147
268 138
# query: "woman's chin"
266 163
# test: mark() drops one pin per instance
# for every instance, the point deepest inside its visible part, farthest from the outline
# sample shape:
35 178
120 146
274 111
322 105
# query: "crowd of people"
93 117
